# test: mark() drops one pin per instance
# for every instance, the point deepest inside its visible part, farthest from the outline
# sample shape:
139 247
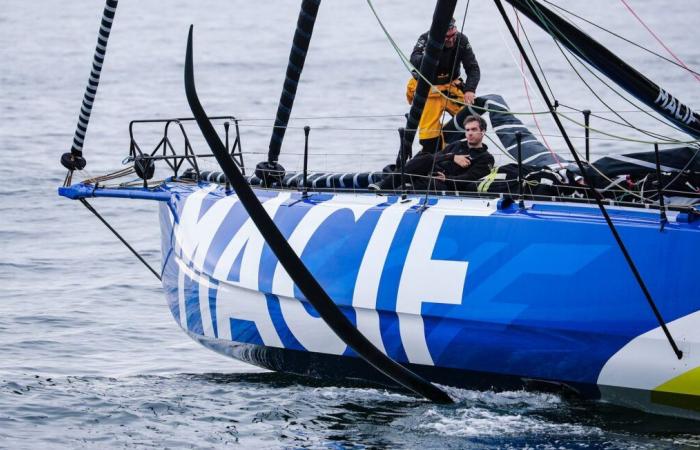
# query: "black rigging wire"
598 116
628 123
534 54
629 41
550 26
102 219
596 195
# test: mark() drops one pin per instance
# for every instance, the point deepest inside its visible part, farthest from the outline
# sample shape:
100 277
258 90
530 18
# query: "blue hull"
468 293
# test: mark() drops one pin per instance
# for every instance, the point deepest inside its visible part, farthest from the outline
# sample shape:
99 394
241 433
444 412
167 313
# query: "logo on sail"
675 107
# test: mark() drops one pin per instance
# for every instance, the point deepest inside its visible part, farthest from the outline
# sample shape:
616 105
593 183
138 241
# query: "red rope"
658 39
529 100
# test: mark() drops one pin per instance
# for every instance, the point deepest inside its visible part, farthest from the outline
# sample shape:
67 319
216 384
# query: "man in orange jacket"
456 51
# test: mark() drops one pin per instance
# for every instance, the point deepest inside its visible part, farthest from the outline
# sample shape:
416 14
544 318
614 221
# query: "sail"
628 78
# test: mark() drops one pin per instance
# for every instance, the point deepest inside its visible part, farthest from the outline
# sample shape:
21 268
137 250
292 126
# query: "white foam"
481 422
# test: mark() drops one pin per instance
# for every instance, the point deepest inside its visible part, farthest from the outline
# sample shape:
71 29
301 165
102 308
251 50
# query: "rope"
629 41
110 176
412 69
549 27
409 67
658 39
140 258
519 26
611 136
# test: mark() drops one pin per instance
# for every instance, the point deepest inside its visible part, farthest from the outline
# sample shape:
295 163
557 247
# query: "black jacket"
447 70
459 178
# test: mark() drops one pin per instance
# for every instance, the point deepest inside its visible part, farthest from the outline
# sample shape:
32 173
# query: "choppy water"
89 354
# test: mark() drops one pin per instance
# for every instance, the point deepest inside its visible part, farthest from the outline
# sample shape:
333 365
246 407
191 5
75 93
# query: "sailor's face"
473 133
451 37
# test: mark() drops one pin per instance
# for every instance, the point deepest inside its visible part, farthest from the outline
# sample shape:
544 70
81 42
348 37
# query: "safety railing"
165 150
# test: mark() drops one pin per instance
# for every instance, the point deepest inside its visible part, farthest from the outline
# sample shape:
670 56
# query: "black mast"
297 57
627 77
444 10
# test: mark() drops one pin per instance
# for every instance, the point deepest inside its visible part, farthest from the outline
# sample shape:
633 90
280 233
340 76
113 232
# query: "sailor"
457 167
447 81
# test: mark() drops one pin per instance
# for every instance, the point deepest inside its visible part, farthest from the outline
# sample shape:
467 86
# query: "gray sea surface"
90 356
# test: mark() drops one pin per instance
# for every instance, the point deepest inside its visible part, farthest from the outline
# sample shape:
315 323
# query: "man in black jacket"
447 83
458 167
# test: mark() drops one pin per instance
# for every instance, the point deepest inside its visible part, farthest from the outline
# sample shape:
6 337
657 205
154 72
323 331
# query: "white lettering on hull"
422 280
245 304
249 237
426 280
312 332
364 297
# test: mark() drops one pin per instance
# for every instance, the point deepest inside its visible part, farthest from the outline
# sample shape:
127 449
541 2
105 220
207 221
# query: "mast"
297 56
74 159
444 10
605 61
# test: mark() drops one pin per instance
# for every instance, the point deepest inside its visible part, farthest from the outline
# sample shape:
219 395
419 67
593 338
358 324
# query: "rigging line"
291 118
622 138
527 91
547 23
598 197
674 141
500 148
534 54
550 27
411 68
102 219
629 41
629 124
680 172
658 39
596 114
611 136
445 99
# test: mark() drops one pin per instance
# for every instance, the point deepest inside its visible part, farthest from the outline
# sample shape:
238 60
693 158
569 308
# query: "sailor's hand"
469 97
439 176
462 161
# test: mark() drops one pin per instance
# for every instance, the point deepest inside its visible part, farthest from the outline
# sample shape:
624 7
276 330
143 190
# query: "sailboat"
314 274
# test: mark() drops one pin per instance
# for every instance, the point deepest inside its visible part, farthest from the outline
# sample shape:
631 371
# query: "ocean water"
90 355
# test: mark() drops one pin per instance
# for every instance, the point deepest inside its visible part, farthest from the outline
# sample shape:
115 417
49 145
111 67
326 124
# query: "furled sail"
506 125
595 54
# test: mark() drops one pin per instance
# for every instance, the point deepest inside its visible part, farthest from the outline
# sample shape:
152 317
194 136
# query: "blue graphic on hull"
541 293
